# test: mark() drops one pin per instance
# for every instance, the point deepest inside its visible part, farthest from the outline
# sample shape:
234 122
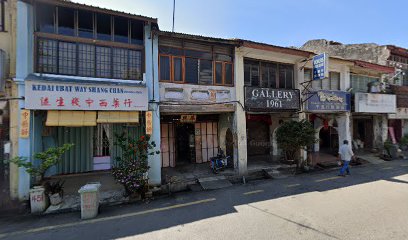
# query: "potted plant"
387 156
47 159
404 143
131 168
292 136
55 191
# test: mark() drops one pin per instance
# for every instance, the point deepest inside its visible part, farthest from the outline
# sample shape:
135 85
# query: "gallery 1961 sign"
270 99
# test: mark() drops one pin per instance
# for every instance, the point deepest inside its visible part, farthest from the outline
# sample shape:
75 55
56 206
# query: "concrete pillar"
24 57
239 126
344 127
380 127
152 83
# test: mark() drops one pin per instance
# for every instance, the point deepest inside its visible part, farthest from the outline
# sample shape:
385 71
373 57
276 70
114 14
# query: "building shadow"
134 219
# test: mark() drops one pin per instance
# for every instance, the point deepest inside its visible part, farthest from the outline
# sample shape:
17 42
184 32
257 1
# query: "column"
19 178
152 83
239 125
344 127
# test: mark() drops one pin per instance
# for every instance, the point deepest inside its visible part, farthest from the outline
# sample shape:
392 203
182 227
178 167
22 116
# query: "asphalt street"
372 203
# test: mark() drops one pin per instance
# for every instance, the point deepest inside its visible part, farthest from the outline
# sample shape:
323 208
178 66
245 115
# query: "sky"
278 22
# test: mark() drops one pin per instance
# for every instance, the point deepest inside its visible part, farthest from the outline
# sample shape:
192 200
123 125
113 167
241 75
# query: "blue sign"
320 66
329 101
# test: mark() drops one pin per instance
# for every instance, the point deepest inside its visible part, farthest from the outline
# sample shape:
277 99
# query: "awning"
117 117
71 118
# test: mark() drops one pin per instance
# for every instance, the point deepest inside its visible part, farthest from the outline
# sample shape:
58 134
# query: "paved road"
370 204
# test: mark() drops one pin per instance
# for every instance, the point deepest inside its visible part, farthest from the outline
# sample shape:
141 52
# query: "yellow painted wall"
8 44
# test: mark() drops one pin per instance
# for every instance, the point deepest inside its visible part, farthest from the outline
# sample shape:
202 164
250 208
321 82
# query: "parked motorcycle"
219 162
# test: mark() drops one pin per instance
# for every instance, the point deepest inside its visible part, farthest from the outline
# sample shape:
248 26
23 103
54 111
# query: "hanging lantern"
312 117
325 124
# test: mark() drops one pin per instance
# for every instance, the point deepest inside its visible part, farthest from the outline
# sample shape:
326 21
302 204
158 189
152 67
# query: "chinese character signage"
268 99
149 123
24 123
188 118
320 66
77 96
329 101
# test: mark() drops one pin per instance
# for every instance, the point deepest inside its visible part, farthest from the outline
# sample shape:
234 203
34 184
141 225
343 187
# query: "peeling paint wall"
369 52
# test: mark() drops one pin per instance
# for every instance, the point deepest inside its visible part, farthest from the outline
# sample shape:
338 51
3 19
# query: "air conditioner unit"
2 70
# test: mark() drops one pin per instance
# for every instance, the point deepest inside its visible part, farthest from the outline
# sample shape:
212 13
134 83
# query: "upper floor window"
195 63
268 74
360 83
88 24
88 60
331 83
2 16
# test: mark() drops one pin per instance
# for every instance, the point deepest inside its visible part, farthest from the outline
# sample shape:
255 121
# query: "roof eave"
273 48
94 8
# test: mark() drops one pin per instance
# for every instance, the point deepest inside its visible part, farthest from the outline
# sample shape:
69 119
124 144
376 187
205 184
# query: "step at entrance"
216 182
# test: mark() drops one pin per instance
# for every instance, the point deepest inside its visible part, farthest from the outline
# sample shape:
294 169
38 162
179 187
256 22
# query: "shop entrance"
329 140
363 132
185 144
258 136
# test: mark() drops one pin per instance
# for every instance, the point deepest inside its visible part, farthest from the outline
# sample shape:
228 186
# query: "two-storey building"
84 74
197 101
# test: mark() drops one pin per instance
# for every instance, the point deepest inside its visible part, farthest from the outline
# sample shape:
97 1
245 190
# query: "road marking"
293 185
404 165
97 220
387 168
328 179
253 192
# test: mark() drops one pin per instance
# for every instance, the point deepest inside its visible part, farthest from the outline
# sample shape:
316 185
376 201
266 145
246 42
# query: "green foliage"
387 146
293 136
404 141
54 187
130 169
48 158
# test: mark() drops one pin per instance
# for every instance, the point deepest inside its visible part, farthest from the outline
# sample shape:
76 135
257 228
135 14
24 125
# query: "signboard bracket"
307 90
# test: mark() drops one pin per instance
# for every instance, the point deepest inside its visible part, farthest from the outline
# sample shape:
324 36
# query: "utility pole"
174 11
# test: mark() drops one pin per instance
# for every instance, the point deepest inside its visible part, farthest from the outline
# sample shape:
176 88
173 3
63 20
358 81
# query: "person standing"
345 154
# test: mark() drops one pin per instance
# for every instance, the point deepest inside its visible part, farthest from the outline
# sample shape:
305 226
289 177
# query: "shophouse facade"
7 73
268 81
384 55
371 105
84 75
327 104
197 99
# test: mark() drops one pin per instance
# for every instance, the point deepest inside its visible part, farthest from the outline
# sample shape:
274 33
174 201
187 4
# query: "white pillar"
344 127
152 83
240 136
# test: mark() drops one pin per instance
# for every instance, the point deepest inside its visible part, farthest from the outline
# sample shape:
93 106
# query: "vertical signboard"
320 66
24 123
149 123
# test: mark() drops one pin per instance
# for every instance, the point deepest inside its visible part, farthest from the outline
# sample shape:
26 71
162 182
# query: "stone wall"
369 52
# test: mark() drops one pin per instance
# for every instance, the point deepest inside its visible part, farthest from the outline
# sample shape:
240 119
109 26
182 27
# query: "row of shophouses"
78 74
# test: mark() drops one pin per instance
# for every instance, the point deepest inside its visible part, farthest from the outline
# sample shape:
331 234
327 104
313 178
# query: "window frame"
277 75
172 69
183 57
169 57
95 63
2 16
361 75
94 24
